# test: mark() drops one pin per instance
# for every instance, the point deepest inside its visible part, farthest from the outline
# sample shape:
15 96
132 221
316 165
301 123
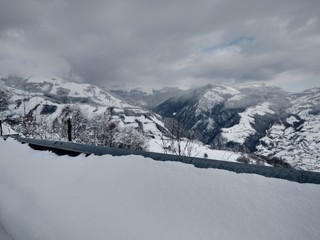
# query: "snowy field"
47 197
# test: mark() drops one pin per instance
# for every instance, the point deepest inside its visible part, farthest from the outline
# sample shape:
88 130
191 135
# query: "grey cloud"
159 43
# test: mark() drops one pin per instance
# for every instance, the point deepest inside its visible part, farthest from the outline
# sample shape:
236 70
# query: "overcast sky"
151 44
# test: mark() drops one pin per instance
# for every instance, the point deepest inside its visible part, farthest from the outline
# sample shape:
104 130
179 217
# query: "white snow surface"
208 101
47 197
197 149
213 97
238 133
298 146
7 130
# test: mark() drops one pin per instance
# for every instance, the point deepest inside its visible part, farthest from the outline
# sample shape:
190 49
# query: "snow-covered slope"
262 120
296 138
225 116
39 107
7 130
64 91
241 131
46 197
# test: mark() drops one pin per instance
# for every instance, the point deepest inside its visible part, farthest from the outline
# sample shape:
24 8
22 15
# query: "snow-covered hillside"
46 197
39 107
266 121
241 131
67 92
296 139
199 150
263 120
225 116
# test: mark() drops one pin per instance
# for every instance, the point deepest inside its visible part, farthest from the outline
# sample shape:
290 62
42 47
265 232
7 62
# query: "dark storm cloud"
156 43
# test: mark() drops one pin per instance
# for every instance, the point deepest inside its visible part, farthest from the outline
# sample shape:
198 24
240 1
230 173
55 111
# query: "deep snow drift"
44 197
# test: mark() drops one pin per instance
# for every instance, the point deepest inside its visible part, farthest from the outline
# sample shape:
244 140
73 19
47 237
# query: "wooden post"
0 127
69 129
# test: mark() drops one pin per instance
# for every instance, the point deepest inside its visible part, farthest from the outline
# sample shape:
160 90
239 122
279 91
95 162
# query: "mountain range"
45 104
265 121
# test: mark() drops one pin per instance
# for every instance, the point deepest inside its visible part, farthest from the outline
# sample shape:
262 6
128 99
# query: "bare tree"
181 142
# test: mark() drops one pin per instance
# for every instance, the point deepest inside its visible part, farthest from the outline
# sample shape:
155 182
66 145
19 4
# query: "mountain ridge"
266 121
49 102
241 118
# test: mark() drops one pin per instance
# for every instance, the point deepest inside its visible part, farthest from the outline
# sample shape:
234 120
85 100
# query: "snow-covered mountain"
264 120
225 116
40 107
296 137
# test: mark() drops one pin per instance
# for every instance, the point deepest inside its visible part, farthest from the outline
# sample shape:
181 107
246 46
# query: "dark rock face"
48 109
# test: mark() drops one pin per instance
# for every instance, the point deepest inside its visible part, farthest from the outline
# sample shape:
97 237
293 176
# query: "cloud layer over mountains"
163 43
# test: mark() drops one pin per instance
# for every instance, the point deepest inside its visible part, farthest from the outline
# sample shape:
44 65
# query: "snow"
292 119
299 143
227 90
214 96
208 101
198 150
6 129
3 234
157 121
236 97
46 197
210 124
97 101
238 133
74 89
